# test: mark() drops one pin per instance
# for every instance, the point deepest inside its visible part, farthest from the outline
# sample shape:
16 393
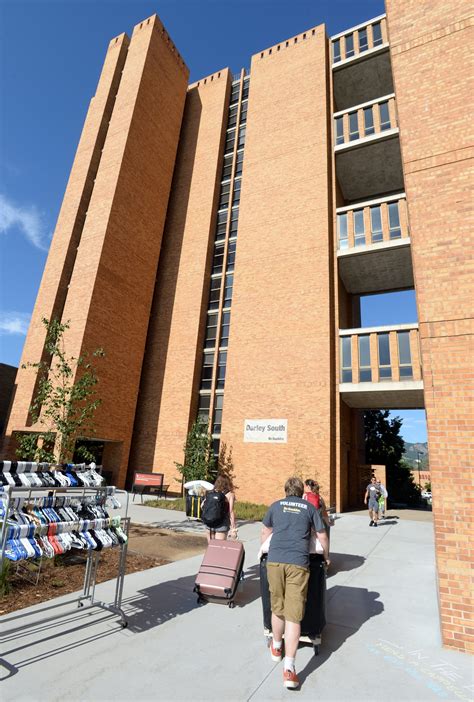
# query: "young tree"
384 445
225 463
199 462
65 402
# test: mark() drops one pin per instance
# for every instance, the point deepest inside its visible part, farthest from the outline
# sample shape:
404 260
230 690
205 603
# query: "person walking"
218 514
290 521
371 500
312 494
382 500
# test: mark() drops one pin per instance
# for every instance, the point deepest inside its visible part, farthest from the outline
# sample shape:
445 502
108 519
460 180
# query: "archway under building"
390 443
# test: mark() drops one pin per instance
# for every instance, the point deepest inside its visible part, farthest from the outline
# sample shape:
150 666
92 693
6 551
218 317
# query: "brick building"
215 239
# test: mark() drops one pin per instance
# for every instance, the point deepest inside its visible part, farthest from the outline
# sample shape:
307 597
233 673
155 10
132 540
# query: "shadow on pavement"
341 562
156 605
355 605
387 522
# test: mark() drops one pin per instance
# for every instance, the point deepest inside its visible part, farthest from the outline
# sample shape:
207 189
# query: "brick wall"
432 42
279 358
172 362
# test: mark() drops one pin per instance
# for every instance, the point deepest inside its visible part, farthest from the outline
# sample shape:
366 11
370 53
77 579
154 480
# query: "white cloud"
26 218
14 323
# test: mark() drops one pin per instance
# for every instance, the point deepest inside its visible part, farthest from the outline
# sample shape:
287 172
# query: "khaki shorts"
288 585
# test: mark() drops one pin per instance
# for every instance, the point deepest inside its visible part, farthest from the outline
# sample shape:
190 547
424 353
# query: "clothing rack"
14 498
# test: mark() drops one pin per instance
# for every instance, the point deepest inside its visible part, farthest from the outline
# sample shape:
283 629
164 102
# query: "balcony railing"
372 222
382 354
366 120
358 40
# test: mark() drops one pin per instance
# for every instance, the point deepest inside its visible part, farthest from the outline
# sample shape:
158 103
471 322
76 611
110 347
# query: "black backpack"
214 509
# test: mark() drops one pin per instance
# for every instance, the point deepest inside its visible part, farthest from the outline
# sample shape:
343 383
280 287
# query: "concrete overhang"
363 77
406 394
370 166
376 267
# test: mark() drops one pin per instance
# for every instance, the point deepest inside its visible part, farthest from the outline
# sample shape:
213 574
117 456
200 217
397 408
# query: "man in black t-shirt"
290 522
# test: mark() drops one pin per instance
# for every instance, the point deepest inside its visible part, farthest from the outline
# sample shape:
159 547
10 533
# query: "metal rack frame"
87 599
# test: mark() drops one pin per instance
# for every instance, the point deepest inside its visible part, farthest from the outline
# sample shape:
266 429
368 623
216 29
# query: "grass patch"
243 510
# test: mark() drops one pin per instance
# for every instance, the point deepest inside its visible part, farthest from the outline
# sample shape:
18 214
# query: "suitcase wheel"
316 649
231 604
200 600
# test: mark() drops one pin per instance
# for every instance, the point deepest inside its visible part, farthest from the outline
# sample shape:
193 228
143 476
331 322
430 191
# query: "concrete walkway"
381 642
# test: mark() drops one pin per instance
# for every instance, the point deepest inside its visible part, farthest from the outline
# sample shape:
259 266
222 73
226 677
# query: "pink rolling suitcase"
220 571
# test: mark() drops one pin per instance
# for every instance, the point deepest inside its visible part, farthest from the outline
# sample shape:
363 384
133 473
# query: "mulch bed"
148 547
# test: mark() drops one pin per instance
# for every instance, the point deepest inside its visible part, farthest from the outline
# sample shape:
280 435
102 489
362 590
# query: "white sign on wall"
271 431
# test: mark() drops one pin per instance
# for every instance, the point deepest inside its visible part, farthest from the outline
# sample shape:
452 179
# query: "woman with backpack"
217 511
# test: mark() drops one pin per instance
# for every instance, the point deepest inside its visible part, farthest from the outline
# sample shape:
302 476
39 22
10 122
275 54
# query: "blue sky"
51 56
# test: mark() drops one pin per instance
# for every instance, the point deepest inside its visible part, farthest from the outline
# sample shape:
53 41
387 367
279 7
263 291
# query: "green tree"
225 463
199 462
65 402
384 445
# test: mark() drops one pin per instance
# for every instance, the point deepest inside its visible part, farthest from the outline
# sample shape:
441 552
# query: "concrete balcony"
367 149
374 253
361 63
380 368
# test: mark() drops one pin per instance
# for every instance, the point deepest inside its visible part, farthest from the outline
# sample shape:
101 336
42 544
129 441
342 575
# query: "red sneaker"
290 679
276 653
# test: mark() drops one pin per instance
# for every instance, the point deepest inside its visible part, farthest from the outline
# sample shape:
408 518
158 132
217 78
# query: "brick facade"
437 148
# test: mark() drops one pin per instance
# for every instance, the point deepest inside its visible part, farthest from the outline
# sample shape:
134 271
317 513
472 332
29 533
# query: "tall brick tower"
101 268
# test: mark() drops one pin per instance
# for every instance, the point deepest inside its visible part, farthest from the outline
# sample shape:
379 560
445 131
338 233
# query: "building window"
245 92
225 329
236 193
234 221
229 282
349 38
229 141
342 231
339 130
217 423
231 256
363 43
376 224
227 169
368 121
384 116
218 259
221 365
336 50
239 162
206 376
241 142
377 34
224 195
211 331
215 293
203 408
353 126
385 367
359 228
365 370
346 357
221 226
243 112
232 116
394 221
216 445
404 355
234 97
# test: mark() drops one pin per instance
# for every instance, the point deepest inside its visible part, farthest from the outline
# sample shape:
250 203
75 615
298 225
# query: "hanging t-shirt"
292 520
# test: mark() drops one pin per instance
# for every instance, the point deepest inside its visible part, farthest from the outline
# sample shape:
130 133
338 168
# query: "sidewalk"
381 642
